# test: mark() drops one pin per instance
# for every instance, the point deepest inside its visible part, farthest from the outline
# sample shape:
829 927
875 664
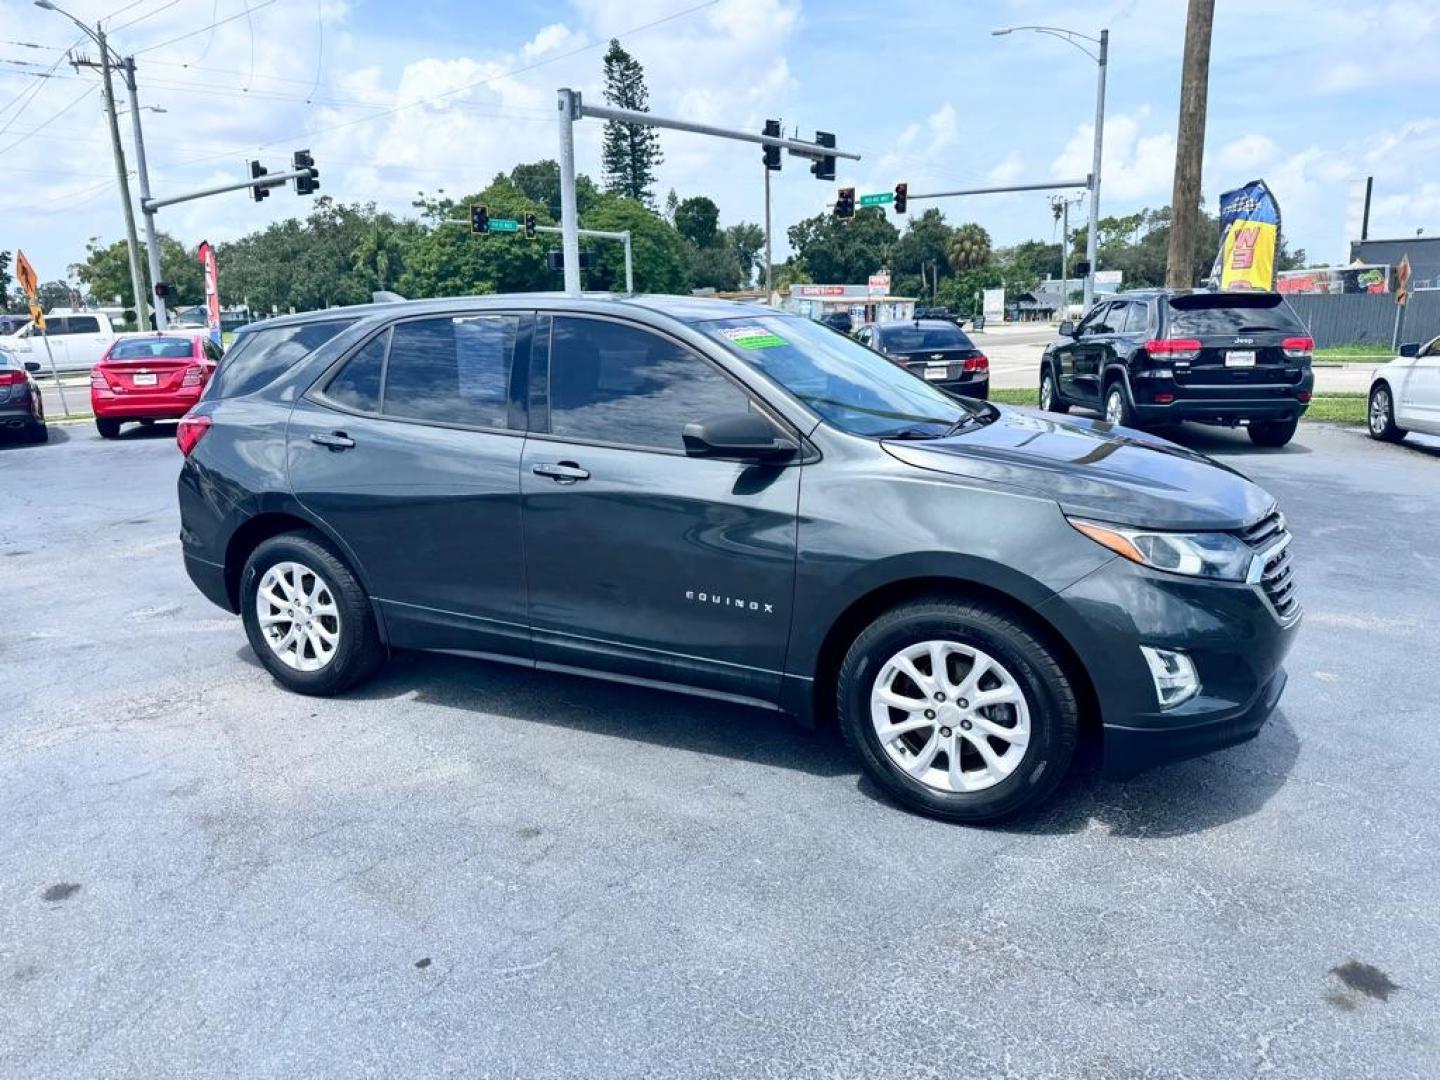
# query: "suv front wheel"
957 711
307 617
1049 395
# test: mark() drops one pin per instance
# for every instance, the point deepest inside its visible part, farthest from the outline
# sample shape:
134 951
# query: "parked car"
78 339
22 410
705 496
1405 393
839 321
195 318
936 350
1160 356
150 376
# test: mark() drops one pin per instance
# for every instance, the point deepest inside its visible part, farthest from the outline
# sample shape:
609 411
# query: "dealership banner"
1249 238
212 290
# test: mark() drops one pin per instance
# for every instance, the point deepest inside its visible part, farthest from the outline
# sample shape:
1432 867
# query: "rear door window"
1227 314
451 370
259 357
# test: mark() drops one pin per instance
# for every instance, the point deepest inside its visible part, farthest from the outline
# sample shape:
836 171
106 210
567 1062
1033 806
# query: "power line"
46 123
218 22
142 18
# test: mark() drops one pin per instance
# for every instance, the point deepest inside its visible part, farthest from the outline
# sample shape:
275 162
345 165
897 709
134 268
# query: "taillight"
1164 398
1303 395
1174 348
194 375
977 363
191 430
97 380
11 378
1298 348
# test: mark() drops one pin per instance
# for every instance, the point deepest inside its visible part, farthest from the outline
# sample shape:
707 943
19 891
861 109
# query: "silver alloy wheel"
1047 392
298 616
950 716
1379 411
1114 407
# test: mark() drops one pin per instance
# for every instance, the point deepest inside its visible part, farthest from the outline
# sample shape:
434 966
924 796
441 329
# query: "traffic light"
305 185
479 218
772 153
845 204
528 223
163 289
902 194
824 168
256 172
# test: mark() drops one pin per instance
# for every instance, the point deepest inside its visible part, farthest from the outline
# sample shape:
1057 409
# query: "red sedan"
149 377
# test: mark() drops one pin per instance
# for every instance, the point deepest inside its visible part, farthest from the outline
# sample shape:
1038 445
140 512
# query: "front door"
410 454
1419 404
641 560
1071 356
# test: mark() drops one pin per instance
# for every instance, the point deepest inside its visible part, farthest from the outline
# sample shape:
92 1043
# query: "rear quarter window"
1210 313
261 356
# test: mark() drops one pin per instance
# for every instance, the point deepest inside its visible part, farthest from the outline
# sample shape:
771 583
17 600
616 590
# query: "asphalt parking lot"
465 869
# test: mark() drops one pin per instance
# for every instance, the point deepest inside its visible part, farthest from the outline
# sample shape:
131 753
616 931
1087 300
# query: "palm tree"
379 257
969 248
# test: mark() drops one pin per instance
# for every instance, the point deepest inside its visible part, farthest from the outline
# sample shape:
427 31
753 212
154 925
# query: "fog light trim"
1173 673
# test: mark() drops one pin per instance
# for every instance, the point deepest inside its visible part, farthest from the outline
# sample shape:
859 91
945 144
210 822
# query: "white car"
78 339
1405 393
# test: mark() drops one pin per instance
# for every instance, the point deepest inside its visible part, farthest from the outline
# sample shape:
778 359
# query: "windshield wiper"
914 433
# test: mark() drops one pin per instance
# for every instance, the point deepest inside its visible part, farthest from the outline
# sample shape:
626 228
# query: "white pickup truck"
77 338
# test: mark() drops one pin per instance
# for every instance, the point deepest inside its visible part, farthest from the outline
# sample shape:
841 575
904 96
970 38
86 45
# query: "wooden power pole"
1190 145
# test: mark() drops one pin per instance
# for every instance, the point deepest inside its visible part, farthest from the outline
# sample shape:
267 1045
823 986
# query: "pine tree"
631 151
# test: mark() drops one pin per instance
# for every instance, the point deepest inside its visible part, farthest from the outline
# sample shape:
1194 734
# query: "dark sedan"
22 411
936 350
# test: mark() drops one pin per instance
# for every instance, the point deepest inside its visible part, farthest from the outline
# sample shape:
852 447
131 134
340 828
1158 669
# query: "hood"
1095 470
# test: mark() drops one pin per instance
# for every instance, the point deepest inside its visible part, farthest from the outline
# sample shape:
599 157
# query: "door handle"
563 472
335 440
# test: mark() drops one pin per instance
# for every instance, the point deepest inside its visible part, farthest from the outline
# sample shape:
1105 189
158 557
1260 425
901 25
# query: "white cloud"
1134 164
1009 171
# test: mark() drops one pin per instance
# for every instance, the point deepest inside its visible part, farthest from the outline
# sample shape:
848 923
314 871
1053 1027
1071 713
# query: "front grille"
1277 576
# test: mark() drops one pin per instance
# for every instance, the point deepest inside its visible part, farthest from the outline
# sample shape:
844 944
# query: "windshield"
907 337
849 386
166 348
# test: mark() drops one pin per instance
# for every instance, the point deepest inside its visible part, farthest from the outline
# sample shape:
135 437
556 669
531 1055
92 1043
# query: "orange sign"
1402 281
26 275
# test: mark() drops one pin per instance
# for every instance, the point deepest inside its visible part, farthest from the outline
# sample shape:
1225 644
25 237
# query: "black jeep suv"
706 496
1160 356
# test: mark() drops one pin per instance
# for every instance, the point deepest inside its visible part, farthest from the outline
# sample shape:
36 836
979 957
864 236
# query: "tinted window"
909 338
1094 323
357 384
619 384
453 370
165 348
260 356
82 324
1220 313
841 380
1137 319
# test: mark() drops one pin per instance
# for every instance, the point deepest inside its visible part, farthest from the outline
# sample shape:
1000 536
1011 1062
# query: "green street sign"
865 200
504 225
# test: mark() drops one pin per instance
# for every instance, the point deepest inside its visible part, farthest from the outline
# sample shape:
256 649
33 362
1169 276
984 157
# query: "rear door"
1242 344
642 560
409 451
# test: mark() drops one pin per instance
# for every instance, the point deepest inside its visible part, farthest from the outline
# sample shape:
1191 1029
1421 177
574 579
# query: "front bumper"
1227 629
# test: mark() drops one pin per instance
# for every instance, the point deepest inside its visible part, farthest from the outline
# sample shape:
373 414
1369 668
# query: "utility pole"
1190 145
1092 232
137 279
152 238
769 259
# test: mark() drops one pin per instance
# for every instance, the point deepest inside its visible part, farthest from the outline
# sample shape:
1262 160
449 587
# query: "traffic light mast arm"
270 180
631 116
1051 186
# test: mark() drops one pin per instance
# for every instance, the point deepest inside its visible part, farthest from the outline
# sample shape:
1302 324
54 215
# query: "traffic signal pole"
600 234
572 108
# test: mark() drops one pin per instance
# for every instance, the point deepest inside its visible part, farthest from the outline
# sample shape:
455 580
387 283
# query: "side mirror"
32 365
1067 328
747 436
1410 349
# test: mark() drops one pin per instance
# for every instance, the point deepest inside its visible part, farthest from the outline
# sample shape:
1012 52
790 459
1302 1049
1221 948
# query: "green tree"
715 267
747 241
105 273
961 292
969 248
56 294
697 219
660 258
539 181
838 252
450 260
380 258
5 280
921 254
630 152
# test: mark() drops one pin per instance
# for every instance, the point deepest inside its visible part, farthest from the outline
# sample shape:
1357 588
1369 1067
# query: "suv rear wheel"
957 711
1272 432
1117 405
307 618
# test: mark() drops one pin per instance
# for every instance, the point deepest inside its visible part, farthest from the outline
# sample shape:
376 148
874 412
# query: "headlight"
1206 554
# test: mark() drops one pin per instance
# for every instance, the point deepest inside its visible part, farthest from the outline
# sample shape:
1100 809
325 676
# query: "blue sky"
1311 94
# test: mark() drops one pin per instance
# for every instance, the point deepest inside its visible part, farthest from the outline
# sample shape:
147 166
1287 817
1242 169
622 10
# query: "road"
464 869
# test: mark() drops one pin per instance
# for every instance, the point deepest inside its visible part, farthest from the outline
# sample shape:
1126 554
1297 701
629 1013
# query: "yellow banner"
1248 258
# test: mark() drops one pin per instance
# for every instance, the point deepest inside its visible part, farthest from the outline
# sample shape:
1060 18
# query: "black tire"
1054 714
359 653
38 433
1126 411
108 429
1047 375
1380 414
1272 432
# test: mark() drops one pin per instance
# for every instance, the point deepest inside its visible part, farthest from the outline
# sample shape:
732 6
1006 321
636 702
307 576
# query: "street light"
1102 44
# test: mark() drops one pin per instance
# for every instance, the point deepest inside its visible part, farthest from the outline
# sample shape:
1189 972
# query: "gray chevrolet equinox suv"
703 496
